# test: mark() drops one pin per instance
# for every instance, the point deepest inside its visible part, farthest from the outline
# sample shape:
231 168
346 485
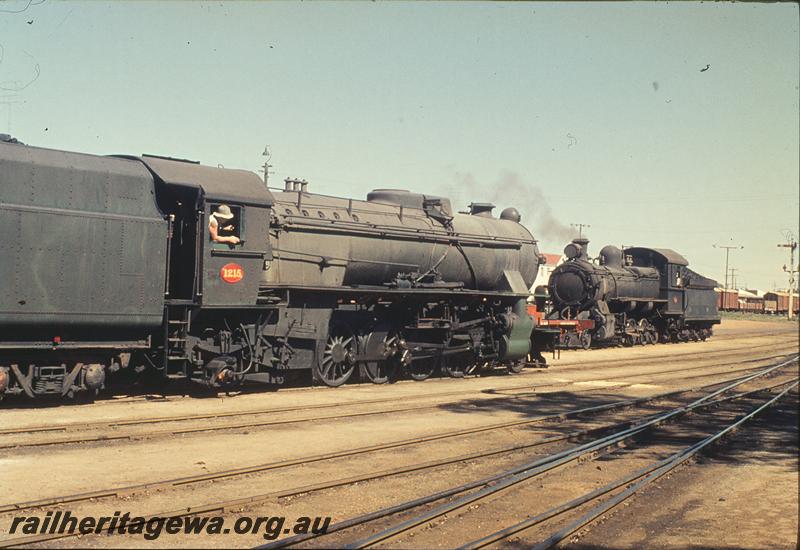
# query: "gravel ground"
688 512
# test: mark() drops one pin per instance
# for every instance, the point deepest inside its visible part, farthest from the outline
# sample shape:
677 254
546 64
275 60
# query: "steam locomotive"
635 296
108 263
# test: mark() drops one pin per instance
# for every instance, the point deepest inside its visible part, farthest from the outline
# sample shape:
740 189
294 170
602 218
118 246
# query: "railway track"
522 391
67 427
188 480
789 339
238 503
632 484
490 486
110 431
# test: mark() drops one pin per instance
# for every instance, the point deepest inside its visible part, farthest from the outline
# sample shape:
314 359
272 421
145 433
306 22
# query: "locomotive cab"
218 247
689 305
201 270
669 265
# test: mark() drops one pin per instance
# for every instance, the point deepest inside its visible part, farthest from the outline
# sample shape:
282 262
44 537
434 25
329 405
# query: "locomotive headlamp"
572 251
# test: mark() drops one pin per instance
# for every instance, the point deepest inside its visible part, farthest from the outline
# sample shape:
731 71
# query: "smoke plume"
510 190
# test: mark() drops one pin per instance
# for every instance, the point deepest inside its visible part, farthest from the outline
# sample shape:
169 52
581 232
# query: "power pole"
580 227
728 249
266 166
733 277
791 244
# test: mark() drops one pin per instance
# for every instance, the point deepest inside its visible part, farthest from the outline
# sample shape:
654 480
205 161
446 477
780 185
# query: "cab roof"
656 256
218 184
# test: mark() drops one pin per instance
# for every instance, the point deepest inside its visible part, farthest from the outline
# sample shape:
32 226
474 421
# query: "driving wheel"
422 369
456 366
335 364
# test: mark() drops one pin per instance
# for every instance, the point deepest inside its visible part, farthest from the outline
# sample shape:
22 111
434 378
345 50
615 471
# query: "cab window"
676 275
225 225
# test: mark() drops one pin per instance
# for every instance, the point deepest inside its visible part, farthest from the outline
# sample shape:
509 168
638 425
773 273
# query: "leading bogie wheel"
516 367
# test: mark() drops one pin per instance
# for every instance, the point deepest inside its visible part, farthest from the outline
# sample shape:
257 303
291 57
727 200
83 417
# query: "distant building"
750 301
545 269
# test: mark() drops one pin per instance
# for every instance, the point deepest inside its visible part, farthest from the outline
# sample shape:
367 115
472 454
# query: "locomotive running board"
135 344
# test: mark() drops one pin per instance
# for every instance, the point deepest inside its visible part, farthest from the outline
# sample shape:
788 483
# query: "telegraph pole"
733 277
728 249
266 166
791 244
580 227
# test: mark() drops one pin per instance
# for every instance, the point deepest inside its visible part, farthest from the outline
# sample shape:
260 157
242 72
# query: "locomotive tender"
107 263
637 295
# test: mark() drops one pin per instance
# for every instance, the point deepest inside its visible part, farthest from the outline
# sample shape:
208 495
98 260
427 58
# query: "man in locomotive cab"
222 226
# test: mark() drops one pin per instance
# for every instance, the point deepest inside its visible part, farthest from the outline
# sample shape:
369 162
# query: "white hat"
224 212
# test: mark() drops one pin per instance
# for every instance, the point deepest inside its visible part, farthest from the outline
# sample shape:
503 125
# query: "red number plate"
231 273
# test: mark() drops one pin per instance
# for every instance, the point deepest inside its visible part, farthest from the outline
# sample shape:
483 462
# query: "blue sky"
591 113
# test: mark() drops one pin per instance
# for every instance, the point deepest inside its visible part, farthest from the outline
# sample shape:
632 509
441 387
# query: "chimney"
482 209
578 249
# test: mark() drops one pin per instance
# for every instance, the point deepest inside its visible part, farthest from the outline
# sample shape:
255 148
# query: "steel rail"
669 465
504 391
538 467
133 489
227 506
127 491
167 433
657 467
242 502
498 482
651 377
139 436
510 477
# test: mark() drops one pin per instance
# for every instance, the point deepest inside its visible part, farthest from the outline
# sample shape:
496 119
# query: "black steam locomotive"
111 263
635 296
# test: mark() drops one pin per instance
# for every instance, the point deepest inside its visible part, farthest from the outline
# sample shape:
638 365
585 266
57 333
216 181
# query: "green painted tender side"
83 246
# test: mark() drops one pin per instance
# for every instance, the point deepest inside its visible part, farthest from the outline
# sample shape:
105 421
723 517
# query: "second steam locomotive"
635 295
